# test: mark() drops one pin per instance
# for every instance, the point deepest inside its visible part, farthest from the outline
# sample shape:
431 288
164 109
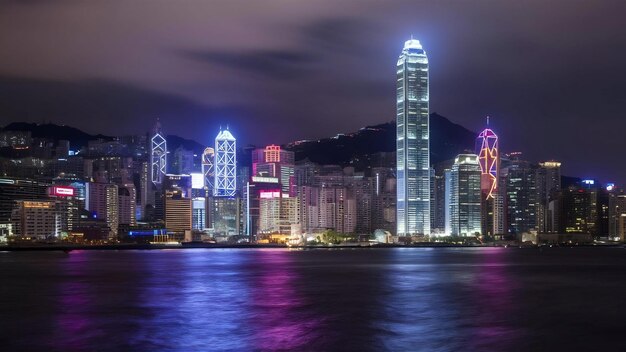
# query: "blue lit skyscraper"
225 184
413 145
158 155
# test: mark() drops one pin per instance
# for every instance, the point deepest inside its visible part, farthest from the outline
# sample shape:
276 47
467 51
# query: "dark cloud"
339 34
550 74
278 64
98 106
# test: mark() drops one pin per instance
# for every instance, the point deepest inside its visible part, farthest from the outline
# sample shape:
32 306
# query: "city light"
269 194
61 191
197 181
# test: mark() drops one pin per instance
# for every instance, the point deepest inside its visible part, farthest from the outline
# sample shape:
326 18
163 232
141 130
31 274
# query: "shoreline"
134 246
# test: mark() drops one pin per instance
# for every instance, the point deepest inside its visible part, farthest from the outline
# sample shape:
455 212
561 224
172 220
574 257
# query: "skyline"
529 78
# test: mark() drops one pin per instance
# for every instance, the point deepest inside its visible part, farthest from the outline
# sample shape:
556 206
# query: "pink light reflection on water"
73 321
281 318
495 291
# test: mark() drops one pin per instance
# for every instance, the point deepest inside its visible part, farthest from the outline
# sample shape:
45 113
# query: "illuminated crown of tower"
487 150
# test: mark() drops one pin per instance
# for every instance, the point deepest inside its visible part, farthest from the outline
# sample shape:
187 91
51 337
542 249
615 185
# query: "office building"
413 145
492 212
208 168
521 196
158 155
465 196
35 219
178 212
548 189
225 184
272 161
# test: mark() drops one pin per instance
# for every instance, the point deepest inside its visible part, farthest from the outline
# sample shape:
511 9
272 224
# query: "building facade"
225 184
413 145
465 196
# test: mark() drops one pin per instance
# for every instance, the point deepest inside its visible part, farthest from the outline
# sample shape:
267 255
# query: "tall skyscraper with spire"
225 184
492 218
412 141
158 155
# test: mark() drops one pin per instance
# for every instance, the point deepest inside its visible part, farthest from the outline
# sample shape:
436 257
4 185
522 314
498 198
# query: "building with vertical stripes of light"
412 141
465 196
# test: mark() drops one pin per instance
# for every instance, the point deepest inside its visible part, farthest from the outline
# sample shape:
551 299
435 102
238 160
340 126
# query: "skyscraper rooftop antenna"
487 120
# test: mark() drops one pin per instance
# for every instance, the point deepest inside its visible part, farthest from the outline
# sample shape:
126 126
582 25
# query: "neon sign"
61 191
269 194
488 158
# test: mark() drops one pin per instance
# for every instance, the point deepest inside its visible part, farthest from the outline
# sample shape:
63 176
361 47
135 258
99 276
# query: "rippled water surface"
413 299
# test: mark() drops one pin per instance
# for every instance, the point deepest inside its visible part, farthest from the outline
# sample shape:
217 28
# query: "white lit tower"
412 141
225 184
158 155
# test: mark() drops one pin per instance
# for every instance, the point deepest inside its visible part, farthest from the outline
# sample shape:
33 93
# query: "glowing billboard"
61 191
197 181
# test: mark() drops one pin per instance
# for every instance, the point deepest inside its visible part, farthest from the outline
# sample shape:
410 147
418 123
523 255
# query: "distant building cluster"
147 189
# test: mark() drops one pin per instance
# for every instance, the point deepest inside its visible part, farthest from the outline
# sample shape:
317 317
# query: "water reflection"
357 300
417 311
74 326
495 293
280 319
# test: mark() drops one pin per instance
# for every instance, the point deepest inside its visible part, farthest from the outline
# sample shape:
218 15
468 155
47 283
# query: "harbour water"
394 299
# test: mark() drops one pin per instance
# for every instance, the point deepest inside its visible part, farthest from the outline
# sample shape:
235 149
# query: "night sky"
551 74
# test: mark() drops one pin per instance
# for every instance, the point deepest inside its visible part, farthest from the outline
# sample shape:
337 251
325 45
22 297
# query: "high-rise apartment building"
413 145
102 200
127 204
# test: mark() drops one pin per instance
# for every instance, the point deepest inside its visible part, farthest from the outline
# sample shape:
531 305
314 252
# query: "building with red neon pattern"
488 153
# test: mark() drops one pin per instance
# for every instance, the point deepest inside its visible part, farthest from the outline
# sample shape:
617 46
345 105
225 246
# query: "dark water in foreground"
444 299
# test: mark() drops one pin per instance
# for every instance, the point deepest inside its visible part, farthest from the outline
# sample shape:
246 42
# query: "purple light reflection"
495 290
73 320
281 321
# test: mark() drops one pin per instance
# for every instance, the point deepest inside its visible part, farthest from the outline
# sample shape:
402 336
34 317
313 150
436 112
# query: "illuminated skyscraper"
465 194
208 168
492 200
412 141
548 189
225 165
272 161
521 197
487 150
158 155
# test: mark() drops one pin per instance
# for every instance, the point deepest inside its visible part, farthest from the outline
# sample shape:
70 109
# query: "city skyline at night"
322 175
520 71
